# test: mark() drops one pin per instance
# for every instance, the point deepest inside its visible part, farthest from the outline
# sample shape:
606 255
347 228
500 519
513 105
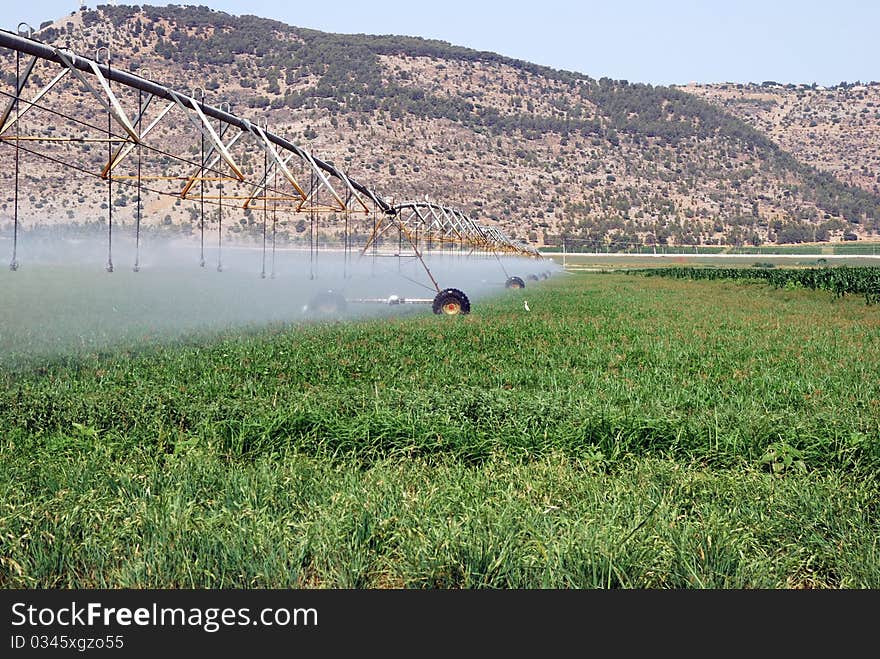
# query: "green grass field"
626 432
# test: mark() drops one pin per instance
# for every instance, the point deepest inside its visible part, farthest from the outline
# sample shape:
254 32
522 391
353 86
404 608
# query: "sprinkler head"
109 267
13 266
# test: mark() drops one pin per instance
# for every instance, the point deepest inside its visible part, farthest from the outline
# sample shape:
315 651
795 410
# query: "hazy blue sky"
666 42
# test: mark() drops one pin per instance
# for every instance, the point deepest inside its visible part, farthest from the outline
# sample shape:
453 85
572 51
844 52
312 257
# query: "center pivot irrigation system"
70 112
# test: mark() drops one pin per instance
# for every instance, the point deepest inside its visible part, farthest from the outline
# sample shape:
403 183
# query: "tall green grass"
840 280
625 432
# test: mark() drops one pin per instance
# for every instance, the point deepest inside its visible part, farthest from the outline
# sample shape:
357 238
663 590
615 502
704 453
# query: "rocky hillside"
545 154
836 130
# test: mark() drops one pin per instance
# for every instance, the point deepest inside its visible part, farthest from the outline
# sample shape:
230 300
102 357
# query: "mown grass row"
844 248
626 432
840 280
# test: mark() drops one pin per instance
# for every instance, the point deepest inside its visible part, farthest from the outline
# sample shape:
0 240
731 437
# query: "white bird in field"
526 305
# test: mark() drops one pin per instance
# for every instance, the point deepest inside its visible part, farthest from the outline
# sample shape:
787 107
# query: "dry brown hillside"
545 154
833 129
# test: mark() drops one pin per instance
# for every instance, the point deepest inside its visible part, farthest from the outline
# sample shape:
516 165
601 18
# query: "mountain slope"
836 130
544 153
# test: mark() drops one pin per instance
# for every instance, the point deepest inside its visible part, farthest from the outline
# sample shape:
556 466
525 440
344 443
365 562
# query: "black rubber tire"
328 303
514 282
533 277
545 275
451 302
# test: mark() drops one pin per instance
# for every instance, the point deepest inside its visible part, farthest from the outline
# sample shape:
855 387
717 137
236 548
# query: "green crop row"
841 280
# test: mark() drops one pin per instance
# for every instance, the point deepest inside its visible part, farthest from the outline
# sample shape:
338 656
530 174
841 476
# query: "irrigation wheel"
514 282
451 302
328 303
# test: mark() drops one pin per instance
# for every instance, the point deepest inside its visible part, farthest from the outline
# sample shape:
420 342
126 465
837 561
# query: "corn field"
840 280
